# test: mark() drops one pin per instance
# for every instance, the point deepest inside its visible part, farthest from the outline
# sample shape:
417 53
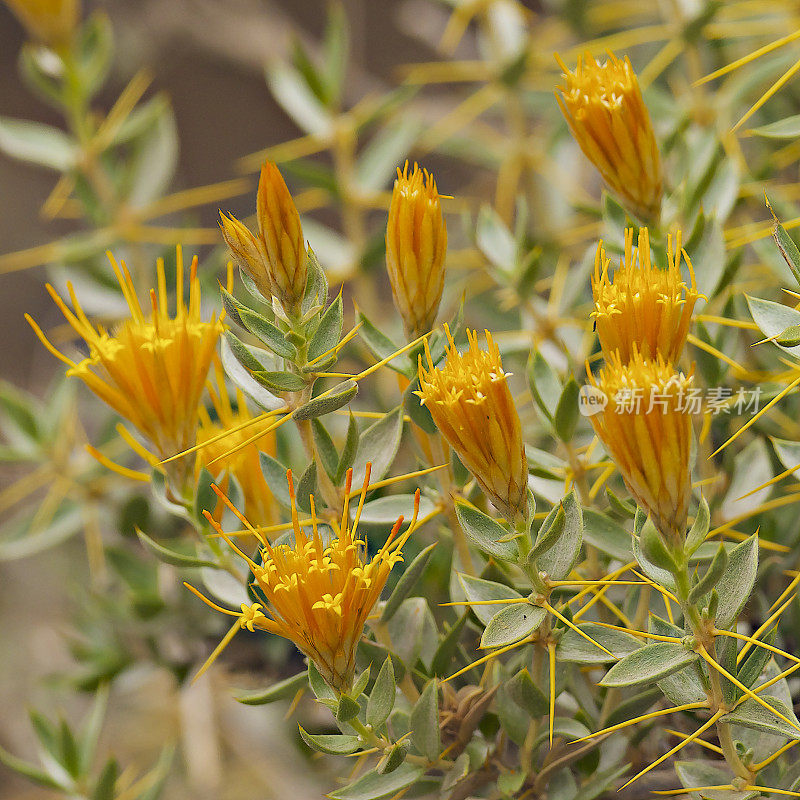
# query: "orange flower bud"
416 243
51 22
248 251
644 306
603 106
646 429
471 403
282 238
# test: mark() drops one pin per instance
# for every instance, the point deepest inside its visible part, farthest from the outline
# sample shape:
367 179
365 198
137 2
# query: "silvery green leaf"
649 664
787 128
373 786
558 561
654 548
224 587
329 330
413 631
154 161
382 696
657 574
380 345
328 402
265 332
574 648
442 660
347 708
325 447
751 469
37 143
751 714
244 380
332 743
297 100
279 381
606 535
566 416
348 450
478 590
773 318
700 527
704 773
523 691
318 685
283 690
394 758
544 385
173 556
24 542
275 474
306 487
736 583
495 240
425 722
386 510
378 445
484 532
711 576
786 247
511 624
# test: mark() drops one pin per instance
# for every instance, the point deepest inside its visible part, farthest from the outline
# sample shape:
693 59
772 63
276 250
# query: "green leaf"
558 561
736 583
282 690
325 447
712 575
296 98
485 532
606 535
328 402
574 648
153 163
495 240
406 582
649 663
29 771
393 759
544 385
106 783
512 623
699 530
172 556
280 381
275 474
329 331
654 548
752 668
478 590
373 786
386 510
387 148
266 333
378 445
788 128
751 714
425 722
566 417
549 532
349 450
523 691
381 346
443 657
37 143
381 699
243 377
773 318
306 487
70 756
334 744
786 246
318 685
337 51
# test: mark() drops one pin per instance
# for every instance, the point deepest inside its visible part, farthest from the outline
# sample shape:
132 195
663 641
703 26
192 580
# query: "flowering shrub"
513 564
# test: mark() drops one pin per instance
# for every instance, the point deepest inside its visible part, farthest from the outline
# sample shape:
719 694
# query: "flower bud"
646 429
471 404
51 22
248 251
416 243
643 306
282 238
603 106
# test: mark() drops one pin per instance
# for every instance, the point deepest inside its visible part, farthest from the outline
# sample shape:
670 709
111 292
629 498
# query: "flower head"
276 259
603 106
319 590
416 243
152 368
643 306
236 421
647 431
49 21
471 404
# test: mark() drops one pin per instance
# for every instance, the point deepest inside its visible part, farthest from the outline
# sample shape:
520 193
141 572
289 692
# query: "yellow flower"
646 429
276 259
319 591
49 21
243 464
603 106
471 404
416 243
152 368
643 306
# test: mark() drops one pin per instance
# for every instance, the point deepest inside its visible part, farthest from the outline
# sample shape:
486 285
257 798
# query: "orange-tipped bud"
51 22
603 106
646 428
282 238
471 403
643 306
416 243
248 251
